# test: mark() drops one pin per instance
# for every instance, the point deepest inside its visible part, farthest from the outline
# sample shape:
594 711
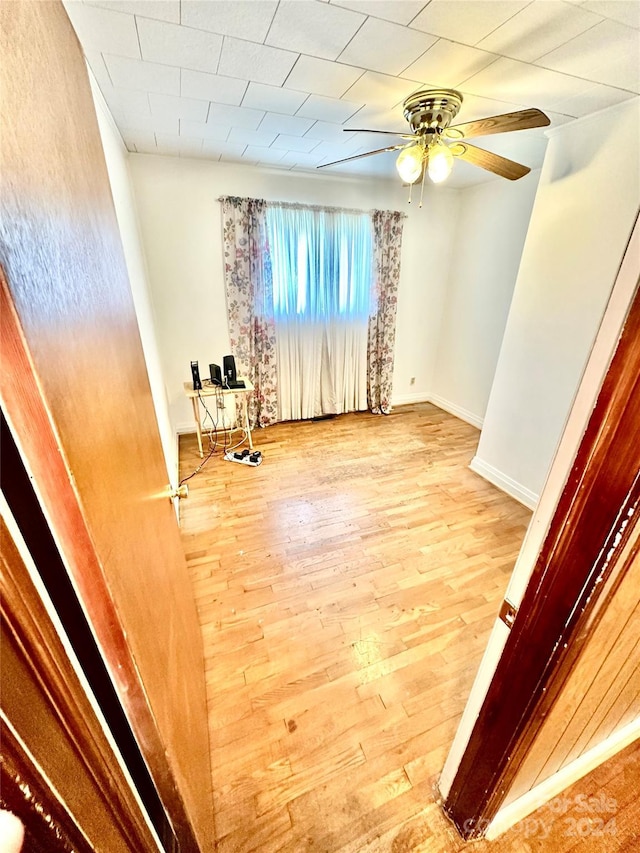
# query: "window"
321 263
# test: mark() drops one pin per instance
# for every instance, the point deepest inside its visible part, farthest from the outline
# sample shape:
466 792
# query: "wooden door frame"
43 456
30 786
577 571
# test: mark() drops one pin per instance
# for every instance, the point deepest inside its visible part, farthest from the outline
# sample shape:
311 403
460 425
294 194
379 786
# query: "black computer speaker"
215 374
195 375
229 367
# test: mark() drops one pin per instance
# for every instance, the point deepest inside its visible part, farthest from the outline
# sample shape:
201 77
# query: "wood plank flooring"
346 589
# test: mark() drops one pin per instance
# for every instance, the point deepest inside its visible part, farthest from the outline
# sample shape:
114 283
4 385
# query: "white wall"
117 159
492 227
180 217
584 210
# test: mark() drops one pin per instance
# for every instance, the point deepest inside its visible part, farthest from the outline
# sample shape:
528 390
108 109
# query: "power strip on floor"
245 457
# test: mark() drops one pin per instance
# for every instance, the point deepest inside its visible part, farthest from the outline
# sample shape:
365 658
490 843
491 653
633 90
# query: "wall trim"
458 411
503 481
415 397
554 785
185 429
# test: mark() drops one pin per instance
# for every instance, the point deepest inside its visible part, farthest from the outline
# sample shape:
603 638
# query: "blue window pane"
321 263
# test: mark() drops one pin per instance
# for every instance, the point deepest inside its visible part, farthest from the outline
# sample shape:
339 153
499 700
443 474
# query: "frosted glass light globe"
439 163
409 163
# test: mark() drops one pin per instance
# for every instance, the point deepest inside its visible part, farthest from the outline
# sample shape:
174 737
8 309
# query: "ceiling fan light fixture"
409 163
439 162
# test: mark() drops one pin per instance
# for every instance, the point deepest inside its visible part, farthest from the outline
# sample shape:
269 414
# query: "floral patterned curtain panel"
387 243
249 289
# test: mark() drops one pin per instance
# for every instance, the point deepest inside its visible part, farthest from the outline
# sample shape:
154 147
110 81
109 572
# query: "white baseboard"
522 807
502 481
456 410
405 399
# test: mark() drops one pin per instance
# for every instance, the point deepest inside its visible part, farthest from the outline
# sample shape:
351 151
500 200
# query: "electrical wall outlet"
412 381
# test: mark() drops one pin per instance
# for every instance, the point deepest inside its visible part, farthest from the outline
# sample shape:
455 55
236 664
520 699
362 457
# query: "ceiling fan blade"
520 120
489 161
359 156
387 132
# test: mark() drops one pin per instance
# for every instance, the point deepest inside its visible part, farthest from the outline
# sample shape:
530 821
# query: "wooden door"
76 395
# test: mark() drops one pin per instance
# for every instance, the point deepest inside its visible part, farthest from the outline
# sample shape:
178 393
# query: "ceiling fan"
430 113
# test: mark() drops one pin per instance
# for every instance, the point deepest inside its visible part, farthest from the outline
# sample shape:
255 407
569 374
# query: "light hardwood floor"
346 589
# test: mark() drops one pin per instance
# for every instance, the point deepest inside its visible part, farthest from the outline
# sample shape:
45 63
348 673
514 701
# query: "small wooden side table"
209 390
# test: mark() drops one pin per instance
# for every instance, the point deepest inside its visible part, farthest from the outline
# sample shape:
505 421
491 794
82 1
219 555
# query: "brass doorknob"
180 492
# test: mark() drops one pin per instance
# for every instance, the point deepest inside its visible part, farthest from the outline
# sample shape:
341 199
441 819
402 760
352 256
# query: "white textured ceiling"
277 82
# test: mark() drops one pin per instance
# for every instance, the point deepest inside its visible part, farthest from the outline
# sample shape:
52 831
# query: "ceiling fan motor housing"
432 109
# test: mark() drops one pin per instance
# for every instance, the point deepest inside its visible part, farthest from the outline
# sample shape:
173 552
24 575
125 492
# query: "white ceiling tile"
202 154
313 29
378 118
624 11
201 130
129 101
263 155
292 125
519 83
377 164
250 61
212 87
466 21
593 98
245 19
337 150
125 118
320 77
137 139
295 143
172 44
161 10
242 136
169 143
327 132
386 47
104 30
381 89
448 64
144 76
236 116
269 98
538 29
607 53
99 70
273 98
150 124
224 149
399 11
244 160
328 109
300 158
171 106
474 107
371 141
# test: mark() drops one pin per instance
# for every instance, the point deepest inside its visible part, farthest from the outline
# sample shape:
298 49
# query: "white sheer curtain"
322 285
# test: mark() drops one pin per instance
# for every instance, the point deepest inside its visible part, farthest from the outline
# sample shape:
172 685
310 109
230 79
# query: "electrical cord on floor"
212 433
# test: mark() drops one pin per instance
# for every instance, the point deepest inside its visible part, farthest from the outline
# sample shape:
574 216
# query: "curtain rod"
301 206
